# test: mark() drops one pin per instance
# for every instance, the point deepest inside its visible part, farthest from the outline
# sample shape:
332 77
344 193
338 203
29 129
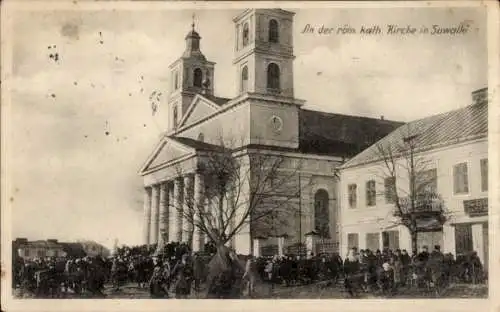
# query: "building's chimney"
382 117
480 96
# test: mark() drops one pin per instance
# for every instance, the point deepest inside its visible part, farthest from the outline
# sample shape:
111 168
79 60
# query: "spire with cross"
192 24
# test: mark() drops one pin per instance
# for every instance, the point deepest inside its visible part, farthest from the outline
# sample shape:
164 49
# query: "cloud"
82 126
374 76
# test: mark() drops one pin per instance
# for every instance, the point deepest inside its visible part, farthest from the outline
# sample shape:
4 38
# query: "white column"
199 201
449 245
172 214
163 231
281 246
188 212
405 239
178 201
256 247
361 241
310 245
147 215
155 213
478 241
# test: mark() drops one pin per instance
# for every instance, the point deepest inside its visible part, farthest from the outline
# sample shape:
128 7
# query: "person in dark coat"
352 272
250 275
435 265
397 267
158 280
198 272
183 276
406 262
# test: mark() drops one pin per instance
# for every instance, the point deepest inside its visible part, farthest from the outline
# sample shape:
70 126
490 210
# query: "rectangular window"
426 182
390 240
390 191
352 240
460 179
463 238
484 175
352 189
370 193
373 241
430 239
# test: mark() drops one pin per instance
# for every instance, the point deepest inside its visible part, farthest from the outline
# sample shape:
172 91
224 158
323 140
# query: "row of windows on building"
197 79
464 240
425 183
40 253
390 239
273 32
273 78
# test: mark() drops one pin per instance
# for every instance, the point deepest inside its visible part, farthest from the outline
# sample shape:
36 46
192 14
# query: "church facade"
264 117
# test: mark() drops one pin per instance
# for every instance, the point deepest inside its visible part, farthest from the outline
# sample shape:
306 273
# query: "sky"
81 126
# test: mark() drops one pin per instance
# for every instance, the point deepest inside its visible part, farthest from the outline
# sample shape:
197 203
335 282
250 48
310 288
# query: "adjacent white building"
454 146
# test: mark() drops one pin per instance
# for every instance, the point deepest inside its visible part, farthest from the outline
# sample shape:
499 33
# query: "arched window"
176 80
273 77
244 79
246 34
175 119
273 31
201 137
322 213
197 78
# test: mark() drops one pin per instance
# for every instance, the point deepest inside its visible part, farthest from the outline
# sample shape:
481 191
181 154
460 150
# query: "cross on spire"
192 24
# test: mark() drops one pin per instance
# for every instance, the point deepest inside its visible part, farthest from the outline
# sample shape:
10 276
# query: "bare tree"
243 188
409 183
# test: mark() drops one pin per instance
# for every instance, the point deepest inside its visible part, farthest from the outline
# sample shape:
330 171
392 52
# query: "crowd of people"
179 273
383 272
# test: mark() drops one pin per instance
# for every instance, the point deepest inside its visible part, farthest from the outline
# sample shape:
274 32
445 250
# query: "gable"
200 107
166 152
452 127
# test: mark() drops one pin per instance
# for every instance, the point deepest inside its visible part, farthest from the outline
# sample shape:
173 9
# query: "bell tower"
191 74
264 52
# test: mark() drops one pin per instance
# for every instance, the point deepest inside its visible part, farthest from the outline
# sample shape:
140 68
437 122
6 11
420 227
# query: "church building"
264 116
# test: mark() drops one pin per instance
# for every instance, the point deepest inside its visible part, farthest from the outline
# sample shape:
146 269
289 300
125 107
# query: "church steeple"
191 74
193 44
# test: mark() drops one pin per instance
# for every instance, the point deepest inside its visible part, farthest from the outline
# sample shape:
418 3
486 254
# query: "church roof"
216 99
467 123
193 34
340 135
197 145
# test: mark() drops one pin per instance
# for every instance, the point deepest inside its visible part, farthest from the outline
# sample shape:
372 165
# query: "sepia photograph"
246 151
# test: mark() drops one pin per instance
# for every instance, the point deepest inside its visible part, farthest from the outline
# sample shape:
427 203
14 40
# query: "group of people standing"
387 271
179 273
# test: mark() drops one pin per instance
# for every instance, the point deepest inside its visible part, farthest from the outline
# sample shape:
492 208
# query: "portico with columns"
169 192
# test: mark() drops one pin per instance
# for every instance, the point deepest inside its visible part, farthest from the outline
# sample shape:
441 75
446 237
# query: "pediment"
167 151
199 108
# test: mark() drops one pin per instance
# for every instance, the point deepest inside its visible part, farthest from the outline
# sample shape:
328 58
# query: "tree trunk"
414 247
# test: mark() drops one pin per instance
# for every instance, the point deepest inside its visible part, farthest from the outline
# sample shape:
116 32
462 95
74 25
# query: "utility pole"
300 216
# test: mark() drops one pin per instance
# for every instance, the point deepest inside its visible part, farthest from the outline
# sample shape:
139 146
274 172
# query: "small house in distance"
29 250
